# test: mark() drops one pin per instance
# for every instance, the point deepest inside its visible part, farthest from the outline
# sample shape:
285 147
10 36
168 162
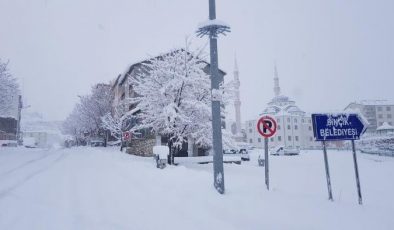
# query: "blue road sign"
341 126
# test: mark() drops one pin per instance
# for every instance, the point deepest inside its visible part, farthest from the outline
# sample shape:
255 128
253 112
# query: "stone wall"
141 147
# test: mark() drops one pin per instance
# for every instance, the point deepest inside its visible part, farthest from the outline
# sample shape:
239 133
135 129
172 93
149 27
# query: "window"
250 141
303 120
380 115
288 119
388 115
278 120
379 108
295 120
250 124
309 120
279 138
309 128
296 138
295 127
289 138
288 126
278 127
380 123
388 108
272 139
259 140
250 130
390 123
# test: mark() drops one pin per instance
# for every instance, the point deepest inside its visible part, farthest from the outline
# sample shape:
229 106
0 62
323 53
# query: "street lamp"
213 28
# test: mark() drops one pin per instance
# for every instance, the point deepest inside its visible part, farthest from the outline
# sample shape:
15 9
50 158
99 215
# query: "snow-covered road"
98 188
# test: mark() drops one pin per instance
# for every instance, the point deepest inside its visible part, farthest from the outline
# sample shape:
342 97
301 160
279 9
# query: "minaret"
276 82
237 101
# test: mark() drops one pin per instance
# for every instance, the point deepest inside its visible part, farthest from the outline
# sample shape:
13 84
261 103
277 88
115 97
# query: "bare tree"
87 113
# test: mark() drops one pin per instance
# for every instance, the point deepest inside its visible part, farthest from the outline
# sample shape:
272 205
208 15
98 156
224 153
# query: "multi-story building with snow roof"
123 90
377 112
294 126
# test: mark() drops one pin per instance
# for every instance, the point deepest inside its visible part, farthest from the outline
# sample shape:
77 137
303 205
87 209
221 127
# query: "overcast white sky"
328 53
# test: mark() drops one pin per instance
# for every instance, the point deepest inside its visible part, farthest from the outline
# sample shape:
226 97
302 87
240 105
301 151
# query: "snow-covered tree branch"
9 91
174 97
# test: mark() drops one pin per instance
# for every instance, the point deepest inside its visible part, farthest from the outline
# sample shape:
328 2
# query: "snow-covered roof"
271 110
374 102
385 126
282 105
121 78
294 109
281 98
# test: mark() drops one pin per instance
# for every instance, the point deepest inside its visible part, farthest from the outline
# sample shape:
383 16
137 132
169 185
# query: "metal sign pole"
213 29
267 179
327 172
360 199
269 129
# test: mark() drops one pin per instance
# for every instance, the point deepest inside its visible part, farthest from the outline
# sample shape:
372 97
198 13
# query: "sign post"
360 199
267 175
327 172
335 127
266 126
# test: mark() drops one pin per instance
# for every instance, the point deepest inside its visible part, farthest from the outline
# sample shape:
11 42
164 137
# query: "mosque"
294 126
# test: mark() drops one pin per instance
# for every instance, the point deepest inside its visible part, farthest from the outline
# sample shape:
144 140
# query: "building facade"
294 126
376 112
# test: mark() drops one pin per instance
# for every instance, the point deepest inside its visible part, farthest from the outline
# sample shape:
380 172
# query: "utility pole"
213 28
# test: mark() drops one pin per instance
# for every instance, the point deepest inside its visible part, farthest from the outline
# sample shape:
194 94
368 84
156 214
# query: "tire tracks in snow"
5 192
24 164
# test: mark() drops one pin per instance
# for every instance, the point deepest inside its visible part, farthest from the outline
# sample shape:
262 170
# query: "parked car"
243 153
8 143
281 150
97 143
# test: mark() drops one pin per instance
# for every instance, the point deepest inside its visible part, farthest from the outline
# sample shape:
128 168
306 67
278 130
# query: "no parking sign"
126 136
266 126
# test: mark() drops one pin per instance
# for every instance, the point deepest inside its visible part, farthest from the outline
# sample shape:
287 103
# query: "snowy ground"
98 188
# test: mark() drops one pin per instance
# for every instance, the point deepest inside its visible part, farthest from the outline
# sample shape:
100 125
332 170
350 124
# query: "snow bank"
205 159
102 188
